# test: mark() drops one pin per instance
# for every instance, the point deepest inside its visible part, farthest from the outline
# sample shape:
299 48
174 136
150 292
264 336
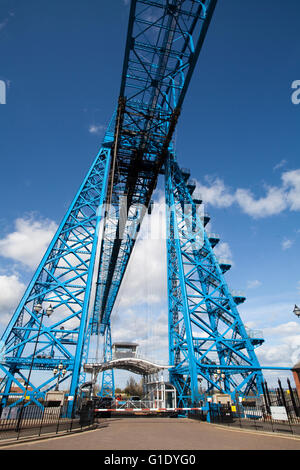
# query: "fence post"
282 395
208 417
296 410
268 395
58 418
285 404
264 386
279 397
20 416
42 420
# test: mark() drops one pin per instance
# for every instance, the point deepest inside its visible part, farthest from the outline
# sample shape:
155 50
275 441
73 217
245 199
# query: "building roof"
125 345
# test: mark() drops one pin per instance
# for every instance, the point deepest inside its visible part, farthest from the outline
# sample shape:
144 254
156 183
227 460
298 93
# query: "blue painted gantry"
82 270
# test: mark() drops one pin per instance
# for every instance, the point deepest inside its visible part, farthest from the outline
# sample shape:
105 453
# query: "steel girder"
63 280
108 383
207 338
163 43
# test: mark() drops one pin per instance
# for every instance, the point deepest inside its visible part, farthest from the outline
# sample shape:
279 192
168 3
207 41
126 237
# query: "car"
135 398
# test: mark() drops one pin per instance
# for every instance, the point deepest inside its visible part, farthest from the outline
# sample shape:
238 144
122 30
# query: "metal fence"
255 418
33 421
277 410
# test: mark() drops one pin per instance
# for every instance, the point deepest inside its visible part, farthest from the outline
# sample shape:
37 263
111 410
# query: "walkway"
163 434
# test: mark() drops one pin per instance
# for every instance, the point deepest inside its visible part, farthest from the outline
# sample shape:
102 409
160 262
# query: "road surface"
163 434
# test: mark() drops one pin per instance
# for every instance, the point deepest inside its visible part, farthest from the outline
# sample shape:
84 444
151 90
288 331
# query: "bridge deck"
133 364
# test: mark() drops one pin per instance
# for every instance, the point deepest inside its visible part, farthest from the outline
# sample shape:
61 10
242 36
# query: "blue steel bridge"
72 294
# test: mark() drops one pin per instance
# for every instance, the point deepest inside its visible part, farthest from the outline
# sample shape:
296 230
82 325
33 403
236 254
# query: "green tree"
133 387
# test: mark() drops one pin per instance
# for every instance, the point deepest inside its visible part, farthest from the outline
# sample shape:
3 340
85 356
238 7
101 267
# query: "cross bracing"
206 334
62 280
164 40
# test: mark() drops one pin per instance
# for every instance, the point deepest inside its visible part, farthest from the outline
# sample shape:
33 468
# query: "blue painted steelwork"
207 338
163 43
81 273
108 382
64 281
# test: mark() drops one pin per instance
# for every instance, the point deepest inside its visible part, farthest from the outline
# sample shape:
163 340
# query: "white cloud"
140 313
5 21
286 244
11 290
29 241
97 129
291 184
273 203
145 279
223 252
3 24
276 198
282 346
215 193
273 315
280 165
253 284
147 328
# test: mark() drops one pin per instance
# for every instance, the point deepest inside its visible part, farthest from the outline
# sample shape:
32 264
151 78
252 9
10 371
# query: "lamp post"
60 371
218 376
38 309
296 311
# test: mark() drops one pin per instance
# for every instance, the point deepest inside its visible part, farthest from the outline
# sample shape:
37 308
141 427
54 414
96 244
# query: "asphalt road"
163 434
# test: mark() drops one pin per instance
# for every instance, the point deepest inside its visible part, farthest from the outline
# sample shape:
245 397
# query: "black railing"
277 410
34 421
255 418
279 413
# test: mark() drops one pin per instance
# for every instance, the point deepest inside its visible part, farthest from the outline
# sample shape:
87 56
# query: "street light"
218 376
38 309
296 311
60 371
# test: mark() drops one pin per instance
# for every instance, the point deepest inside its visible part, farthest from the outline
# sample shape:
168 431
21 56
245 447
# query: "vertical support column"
83 328
180 329
108 383
207 338
296 375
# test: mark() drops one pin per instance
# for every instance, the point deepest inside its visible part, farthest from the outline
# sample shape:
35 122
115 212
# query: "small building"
159 393
221 398
122 350
16 392
55 398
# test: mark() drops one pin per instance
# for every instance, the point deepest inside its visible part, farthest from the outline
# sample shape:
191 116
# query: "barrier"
145 409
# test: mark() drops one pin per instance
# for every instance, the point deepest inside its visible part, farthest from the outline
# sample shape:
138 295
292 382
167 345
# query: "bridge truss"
82 270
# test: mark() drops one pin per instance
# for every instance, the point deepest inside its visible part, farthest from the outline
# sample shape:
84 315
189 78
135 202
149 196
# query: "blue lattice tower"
207 338
108 383
64 281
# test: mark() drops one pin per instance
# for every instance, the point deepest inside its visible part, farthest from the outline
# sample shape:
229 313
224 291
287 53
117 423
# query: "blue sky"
238 133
